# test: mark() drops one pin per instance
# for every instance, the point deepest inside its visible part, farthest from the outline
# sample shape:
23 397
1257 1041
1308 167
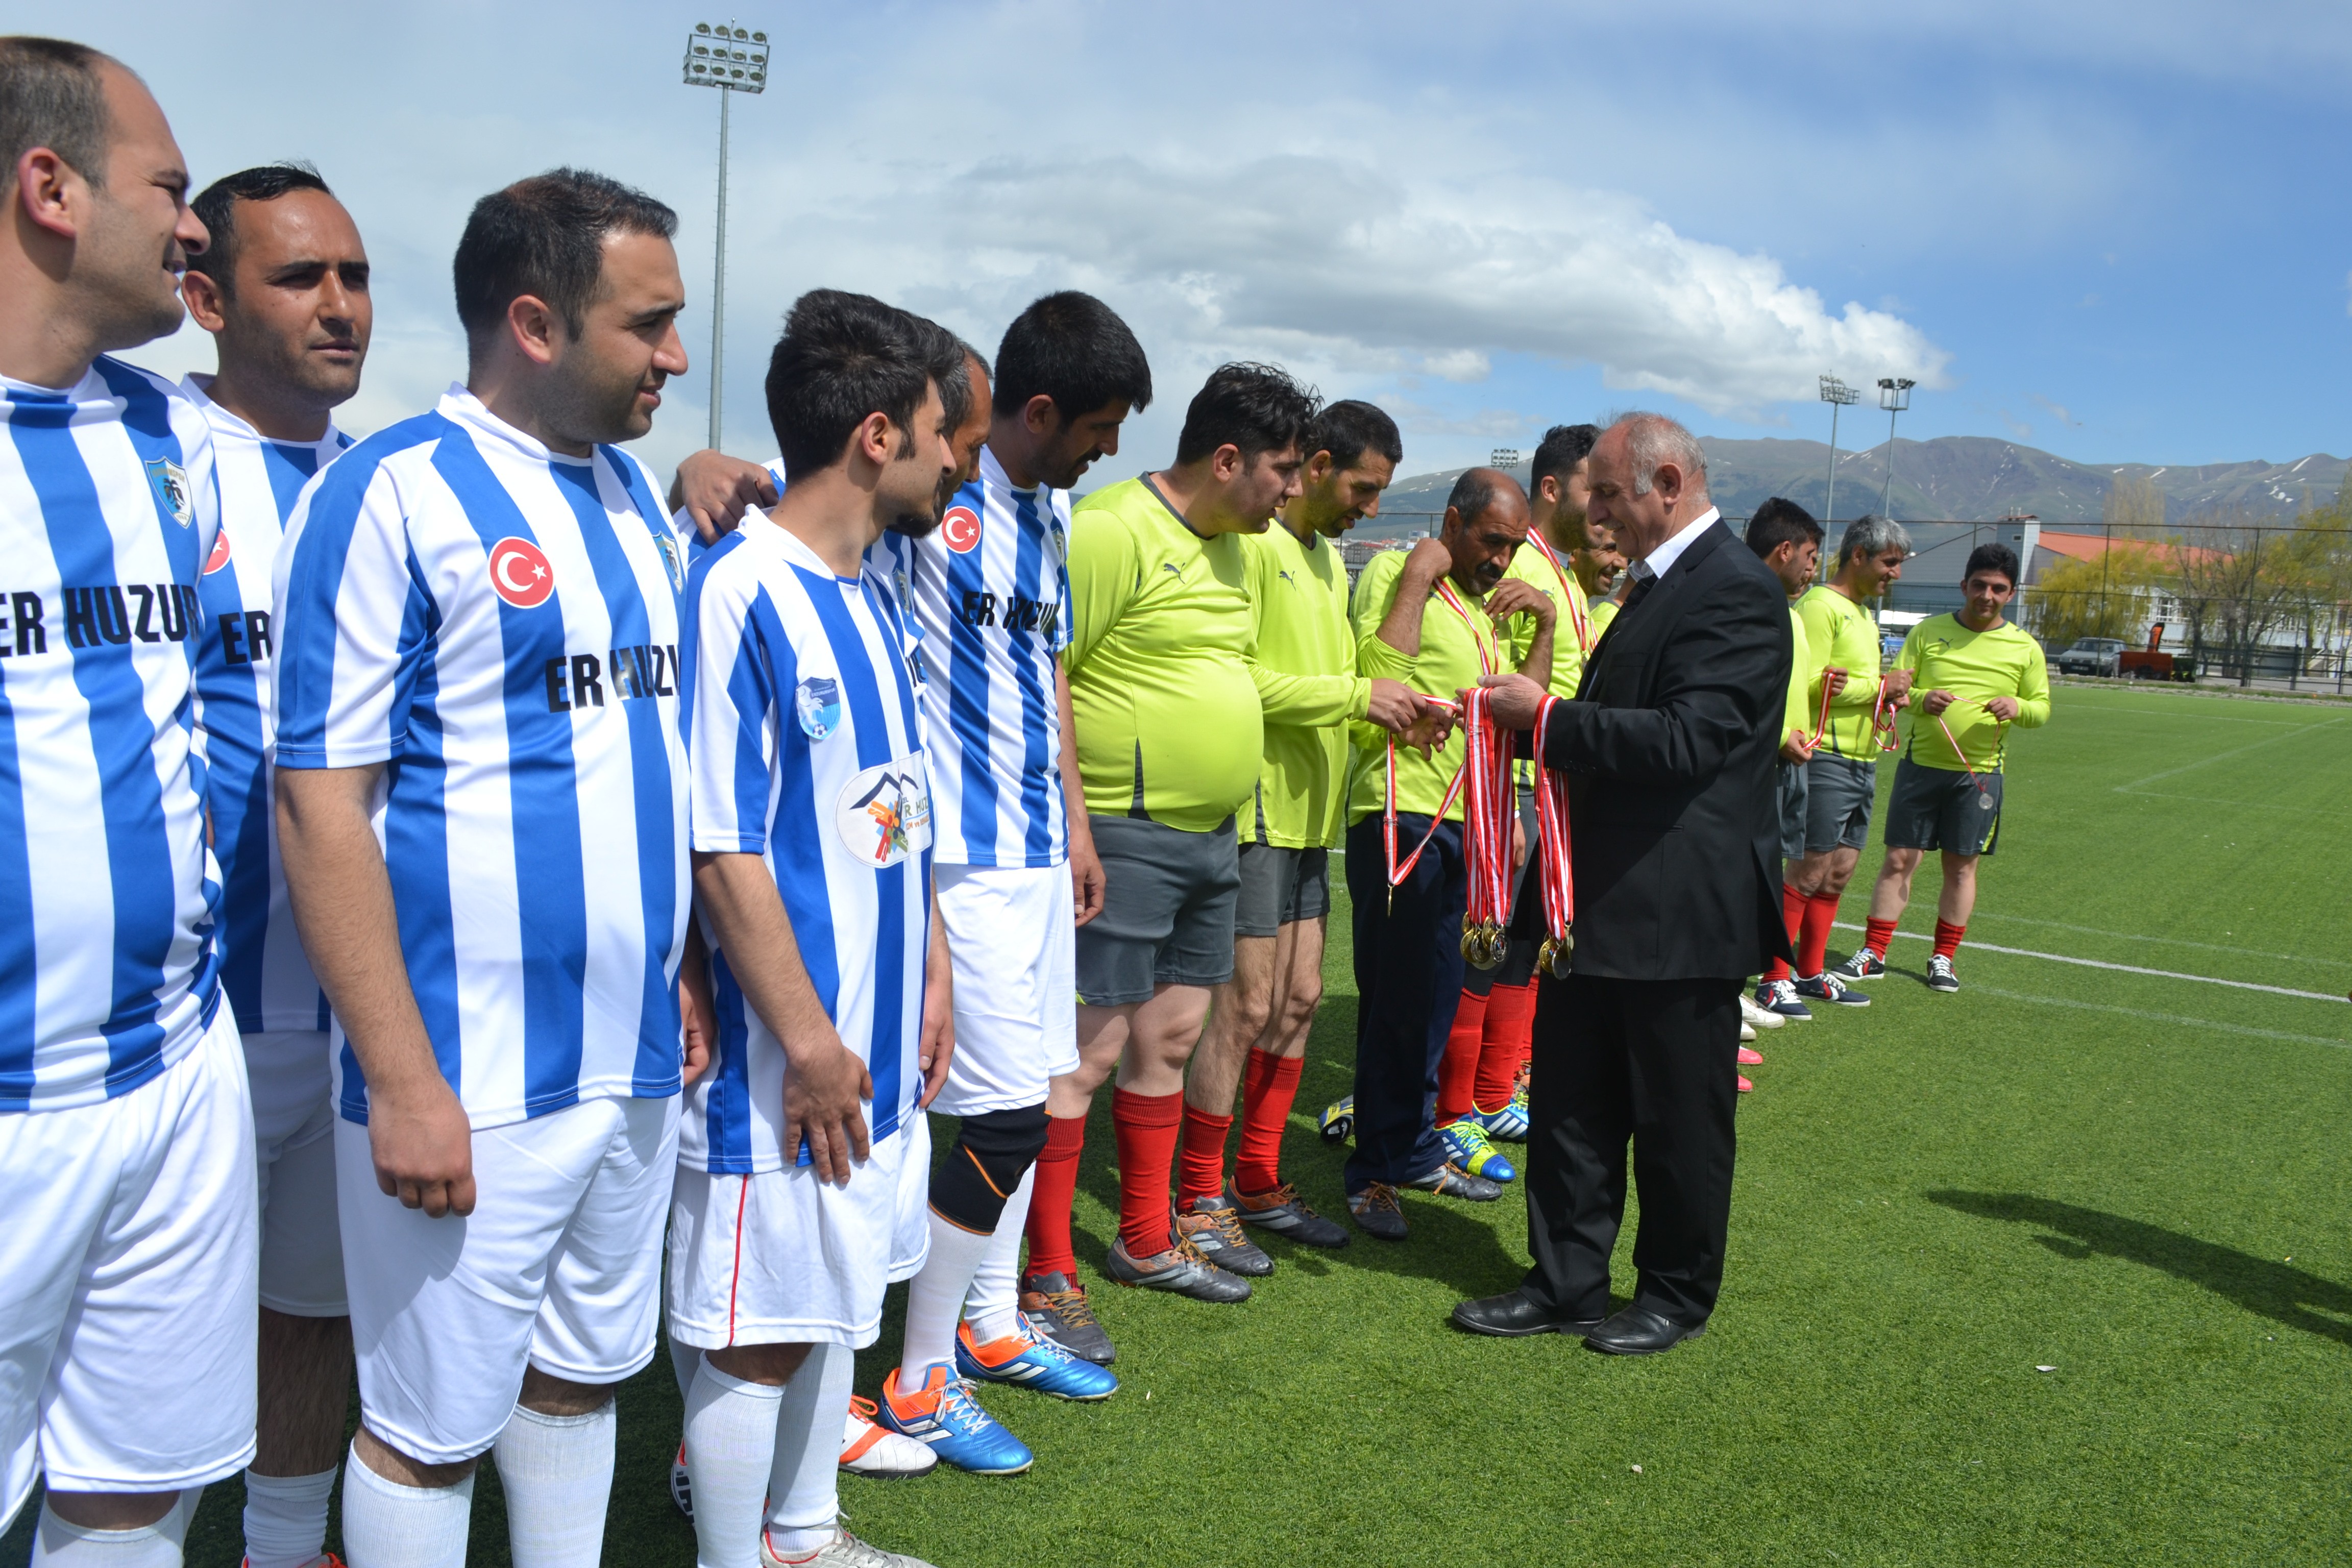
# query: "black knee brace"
990 1153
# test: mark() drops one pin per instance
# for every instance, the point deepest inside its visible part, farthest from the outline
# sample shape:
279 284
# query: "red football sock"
1510 1025
1201 1174
1051 1195
1793 915
1269 1085
1814 948
1948 937
1147 1127
1457 1075
1878 934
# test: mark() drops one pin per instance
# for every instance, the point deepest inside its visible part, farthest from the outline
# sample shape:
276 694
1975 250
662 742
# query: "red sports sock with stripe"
1878 934
1147 1126
1201 1169
1051 1193
1511 1026
1948 937
1814 948
1457 1075
1793 915
1270 1087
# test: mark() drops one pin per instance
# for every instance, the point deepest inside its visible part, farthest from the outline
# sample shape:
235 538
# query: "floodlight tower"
1895 396
1837 395
1503 457
732 60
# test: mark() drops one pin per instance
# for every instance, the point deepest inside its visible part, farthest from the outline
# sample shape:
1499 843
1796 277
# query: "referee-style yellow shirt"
1454 652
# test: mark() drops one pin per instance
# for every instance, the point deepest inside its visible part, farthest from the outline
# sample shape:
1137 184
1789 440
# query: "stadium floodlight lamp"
1838 395
734 59
1503 457
1895 396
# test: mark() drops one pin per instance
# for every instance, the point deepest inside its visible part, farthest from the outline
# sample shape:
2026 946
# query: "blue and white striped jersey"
109 969
802 697
267 979
497 623
990 590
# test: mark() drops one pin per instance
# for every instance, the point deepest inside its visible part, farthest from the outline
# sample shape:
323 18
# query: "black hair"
51 96
1348 429
1255 408
1993 557
1074 349
1778 523
216 207
949 360
545 236
1563 448
842 357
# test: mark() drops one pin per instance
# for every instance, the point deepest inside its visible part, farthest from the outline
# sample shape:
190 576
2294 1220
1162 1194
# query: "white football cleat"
1757 1017
867 1449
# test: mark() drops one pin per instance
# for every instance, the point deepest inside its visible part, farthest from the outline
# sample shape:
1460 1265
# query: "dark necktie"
1641 585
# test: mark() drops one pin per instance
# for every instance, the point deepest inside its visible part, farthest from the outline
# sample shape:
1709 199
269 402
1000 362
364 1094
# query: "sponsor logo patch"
884 815
219 557
520 574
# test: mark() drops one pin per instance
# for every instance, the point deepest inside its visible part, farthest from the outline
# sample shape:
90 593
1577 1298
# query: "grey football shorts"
1936 808
1839 794
1168 911
1279 886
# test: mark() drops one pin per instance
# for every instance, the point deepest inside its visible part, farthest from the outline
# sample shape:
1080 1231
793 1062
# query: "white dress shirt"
1659 562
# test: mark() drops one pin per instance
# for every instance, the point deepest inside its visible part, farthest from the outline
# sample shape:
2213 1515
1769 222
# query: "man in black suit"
1668 747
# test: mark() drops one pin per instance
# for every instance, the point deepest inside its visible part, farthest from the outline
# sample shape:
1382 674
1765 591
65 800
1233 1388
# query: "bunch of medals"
1553 868
1488 799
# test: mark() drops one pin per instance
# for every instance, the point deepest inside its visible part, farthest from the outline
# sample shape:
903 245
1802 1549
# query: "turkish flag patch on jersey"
960 529
520 574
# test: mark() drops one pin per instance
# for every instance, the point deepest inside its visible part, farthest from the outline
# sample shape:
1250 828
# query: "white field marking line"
2225 756
2218 800
2126 711
2159 941
2179 1018
2122 968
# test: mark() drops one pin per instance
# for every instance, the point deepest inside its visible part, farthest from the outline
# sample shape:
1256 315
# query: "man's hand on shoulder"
1428 561
1516 596
716 490
1394 706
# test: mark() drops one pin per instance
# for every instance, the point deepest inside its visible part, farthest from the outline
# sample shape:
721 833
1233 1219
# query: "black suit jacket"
1669 745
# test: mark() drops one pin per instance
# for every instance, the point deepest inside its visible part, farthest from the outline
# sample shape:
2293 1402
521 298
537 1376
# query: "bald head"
1648 479
1486 520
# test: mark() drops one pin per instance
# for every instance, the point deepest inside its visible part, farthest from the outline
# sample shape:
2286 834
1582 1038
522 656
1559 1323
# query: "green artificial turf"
2138 1182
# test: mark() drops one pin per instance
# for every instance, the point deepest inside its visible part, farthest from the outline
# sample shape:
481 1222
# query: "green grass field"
2139 1183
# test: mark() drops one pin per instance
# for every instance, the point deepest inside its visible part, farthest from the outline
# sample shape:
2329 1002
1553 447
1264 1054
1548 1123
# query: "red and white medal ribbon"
1488 800
1984 795
1570 594
1400 870
1881 720
1554 867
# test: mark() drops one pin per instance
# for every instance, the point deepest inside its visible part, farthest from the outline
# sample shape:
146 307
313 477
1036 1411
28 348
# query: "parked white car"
2092 656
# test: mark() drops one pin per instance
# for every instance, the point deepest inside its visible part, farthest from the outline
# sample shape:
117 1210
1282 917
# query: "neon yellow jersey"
1305 666
1603 612
1972 666
1842 633
1166 713
1456 648
1804 674
1573 633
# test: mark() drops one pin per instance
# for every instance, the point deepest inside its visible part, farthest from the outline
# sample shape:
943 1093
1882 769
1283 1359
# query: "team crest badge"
219 557
960 529
171 482
884 814
816 703
520 574
672 562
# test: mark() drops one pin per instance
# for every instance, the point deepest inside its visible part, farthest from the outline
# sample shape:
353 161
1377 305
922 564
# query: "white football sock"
683 1360
156 1545
935 1299
803 1493
387 1525
731 1446
285 1519
995 1294
558 1475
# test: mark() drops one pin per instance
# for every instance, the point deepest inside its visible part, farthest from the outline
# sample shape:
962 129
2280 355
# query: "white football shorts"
559 1266
131 1246
294 1149
1015 954
780 1258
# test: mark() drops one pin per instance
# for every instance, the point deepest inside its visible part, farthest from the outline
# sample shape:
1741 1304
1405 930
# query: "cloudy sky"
2115 230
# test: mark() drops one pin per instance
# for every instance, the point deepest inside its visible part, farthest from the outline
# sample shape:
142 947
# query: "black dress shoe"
1637 1330
1513 1315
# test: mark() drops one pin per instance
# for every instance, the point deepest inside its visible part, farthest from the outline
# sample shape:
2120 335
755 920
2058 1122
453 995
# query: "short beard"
913 525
